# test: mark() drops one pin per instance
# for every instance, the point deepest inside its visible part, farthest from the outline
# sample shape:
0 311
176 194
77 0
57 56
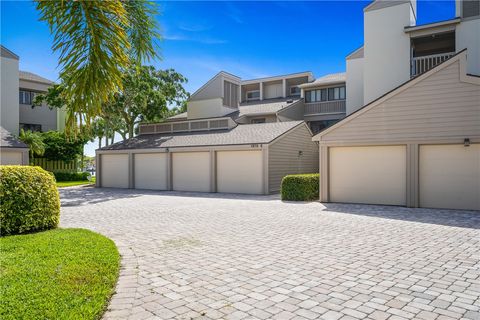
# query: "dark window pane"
331 93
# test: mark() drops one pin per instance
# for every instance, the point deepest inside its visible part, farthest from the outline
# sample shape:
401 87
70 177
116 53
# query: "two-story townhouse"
412 132
236 136
18 90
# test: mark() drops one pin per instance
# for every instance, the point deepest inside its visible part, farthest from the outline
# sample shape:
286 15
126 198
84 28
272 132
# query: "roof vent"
289 100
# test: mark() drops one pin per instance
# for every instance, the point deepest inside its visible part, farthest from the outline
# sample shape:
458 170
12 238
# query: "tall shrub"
300 187
29 200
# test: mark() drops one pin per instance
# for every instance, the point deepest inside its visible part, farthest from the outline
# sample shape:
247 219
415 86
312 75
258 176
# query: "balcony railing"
420 65
325 107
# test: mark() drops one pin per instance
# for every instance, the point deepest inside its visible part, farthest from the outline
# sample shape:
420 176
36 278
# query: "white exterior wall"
199 109
9 116
354 86
386 50
271 91
467 36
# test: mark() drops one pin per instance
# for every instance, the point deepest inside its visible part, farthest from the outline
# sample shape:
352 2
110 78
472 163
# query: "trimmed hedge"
29 198
300 187
71 176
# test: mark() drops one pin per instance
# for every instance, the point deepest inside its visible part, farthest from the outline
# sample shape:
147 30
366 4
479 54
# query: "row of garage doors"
233 171
448 175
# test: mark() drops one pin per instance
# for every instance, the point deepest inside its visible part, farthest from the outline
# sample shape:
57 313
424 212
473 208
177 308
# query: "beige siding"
293 112
210 90
284 156
440 106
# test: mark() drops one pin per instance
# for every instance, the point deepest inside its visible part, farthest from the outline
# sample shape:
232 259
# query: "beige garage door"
10 158
150 171
114 170
191 171
449 176
374 175
240 172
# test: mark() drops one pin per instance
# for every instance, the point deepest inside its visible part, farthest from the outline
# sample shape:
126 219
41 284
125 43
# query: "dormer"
216 98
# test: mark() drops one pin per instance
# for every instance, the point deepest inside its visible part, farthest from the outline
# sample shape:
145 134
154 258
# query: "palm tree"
97 40
34 142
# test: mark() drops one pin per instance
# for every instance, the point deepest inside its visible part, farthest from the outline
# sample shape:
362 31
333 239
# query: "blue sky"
248 39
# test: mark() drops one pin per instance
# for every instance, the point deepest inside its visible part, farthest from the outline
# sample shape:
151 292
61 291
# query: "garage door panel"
191 171
114 170
240 172
10 157
449 176
375 175
151 171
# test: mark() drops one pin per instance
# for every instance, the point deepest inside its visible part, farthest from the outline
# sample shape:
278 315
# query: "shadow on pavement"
77 196
445 217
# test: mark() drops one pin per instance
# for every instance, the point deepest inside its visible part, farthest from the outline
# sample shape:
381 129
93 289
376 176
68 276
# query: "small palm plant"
34 142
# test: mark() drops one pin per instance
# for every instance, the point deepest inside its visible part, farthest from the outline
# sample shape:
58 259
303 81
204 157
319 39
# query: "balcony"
422 64
325 107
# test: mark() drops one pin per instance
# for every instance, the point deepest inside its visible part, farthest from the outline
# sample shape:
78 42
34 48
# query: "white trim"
308 74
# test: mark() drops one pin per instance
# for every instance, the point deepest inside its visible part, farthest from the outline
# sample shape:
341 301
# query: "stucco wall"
9 95
354 86
386 50
467 36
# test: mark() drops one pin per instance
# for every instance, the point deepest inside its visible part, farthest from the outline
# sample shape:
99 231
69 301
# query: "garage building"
209 155
12 151
416 146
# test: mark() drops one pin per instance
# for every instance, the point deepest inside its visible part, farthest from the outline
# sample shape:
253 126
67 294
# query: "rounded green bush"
300 187
29 198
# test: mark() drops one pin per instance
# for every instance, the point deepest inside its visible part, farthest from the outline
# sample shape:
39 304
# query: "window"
329 94
317 126
31 127
294 91
258 120
26 97
253 95
470 8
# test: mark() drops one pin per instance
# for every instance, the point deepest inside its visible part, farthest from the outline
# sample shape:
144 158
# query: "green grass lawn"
61 184
57 274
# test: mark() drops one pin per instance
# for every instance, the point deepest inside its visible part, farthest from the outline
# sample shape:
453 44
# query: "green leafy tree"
59 147
97 40
145 96
34 142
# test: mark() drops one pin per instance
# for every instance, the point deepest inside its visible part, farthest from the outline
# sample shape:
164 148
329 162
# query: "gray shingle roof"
327 79
271 106
7 140
29 76
240 135
180 116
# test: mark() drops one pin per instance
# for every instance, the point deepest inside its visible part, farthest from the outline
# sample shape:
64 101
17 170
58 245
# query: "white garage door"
191 171
151 171
114 170
375 175
10 158
449 176
240 172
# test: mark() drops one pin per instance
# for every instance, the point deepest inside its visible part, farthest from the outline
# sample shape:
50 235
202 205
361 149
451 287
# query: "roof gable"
416 101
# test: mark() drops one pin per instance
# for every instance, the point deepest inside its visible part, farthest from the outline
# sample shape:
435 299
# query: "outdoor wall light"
300 153
466 142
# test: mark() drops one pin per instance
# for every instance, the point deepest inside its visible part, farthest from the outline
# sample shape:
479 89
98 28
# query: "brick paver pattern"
211 256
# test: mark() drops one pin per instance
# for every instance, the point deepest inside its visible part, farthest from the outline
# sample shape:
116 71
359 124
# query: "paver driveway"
217 256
